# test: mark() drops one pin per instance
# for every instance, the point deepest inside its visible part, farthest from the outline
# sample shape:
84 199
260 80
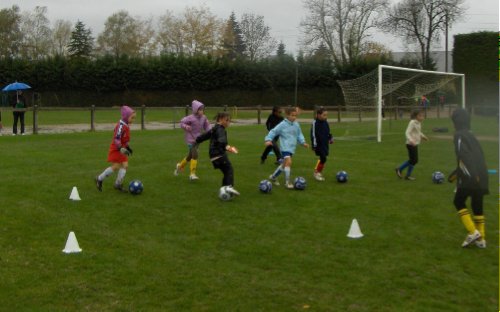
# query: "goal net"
406 87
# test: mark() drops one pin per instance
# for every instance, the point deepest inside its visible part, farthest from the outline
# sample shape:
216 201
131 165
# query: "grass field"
177 247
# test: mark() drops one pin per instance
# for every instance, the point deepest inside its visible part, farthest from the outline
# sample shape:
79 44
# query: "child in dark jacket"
218 148
471 175
321 138
272 121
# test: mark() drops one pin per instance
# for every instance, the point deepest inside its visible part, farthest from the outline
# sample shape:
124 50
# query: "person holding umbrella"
19 108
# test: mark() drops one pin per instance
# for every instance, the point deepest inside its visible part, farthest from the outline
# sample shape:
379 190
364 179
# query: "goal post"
405 86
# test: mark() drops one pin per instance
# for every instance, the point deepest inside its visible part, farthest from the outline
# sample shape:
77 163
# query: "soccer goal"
403 87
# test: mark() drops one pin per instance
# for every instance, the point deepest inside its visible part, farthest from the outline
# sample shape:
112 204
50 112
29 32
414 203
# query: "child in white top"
413 137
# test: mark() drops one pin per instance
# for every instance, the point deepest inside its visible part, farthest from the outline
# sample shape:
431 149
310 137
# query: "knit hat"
126 112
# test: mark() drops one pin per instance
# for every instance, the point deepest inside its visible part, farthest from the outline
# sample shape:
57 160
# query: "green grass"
177 247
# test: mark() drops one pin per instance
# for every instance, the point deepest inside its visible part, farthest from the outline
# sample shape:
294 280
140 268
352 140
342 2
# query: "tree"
420 22
281 51
81 43
341 25
61 36
170 35
36 34
10 32
258 41
121 35
232 41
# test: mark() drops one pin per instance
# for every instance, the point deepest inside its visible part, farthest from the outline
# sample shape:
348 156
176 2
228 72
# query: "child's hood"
126 112
196 105
461 119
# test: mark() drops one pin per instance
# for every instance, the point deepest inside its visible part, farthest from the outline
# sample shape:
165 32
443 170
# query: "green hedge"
475 55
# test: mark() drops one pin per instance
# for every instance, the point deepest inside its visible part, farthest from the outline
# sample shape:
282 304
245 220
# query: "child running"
413 137
119 150
218 148
321 138
472 179
290 134
272 121
193 126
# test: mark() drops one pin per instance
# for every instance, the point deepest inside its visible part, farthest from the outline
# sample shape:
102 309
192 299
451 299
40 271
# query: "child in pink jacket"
193 126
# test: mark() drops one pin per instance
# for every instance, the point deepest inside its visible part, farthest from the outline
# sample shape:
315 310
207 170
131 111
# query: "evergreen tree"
233 44
281 50
81 43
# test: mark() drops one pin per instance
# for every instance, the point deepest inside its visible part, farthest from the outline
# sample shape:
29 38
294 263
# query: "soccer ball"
438 177
135 187
265 186
342 176
299 183
224 194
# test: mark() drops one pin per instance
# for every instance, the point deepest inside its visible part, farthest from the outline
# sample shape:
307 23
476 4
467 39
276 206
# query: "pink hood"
126 112
196 105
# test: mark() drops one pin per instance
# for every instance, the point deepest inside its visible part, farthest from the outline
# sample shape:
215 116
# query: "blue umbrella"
16 86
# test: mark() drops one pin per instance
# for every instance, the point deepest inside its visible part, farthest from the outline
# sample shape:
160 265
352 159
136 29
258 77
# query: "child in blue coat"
290 134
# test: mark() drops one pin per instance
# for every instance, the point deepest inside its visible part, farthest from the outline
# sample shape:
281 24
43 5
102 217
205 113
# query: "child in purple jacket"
193 126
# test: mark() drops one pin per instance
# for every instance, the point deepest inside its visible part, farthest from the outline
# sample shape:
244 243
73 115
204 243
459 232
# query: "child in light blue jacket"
290 134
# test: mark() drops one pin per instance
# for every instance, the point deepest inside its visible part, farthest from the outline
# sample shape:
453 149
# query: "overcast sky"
282 16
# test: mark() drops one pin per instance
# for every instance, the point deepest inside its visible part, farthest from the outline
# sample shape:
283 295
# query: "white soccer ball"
224 194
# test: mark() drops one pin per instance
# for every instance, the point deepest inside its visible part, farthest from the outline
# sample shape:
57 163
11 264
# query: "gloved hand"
126 151
187 128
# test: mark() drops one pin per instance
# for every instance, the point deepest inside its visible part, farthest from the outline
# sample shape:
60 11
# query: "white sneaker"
274 180
231 190
193 177
318 176
471 238
177 170
480 243
289 186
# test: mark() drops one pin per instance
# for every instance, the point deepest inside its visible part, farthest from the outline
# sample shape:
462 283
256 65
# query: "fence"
99 118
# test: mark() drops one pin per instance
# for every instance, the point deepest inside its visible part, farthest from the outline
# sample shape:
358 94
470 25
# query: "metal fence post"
35 119
359 113
143 113
187 110
92 118
259 107
338 113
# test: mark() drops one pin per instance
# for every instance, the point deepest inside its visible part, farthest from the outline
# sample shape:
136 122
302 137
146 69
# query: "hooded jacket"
290 134
122 131
194 124
472 172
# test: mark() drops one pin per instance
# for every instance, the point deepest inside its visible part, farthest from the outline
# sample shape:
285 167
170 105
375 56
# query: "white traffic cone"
74 194
355 231
72 244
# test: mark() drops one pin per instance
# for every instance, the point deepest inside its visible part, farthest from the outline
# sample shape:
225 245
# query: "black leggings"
224 165
476 200
412 154
18 116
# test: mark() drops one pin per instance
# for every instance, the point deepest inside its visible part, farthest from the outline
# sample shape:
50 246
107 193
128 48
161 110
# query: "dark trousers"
476 200
274 148
18 116
224 165
412 154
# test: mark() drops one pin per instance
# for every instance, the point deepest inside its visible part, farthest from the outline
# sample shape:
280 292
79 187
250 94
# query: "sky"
282 16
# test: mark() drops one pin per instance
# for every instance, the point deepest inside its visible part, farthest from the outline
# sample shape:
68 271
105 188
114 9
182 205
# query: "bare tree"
257 37
341 25
170 36
61 36
420 23
10 32
35 27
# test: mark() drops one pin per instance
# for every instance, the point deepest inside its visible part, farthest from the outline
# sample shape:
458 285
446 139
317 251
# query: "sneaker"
318 176
480 243
231 190
409 178
119 187
289 186
398 173
274 180
178 169
471 238
193 177
98 184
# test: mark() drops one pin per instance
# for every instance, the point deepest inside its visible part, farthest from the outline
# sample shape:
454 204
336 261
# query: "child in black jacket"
471 175
321 138
218 148
272 121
